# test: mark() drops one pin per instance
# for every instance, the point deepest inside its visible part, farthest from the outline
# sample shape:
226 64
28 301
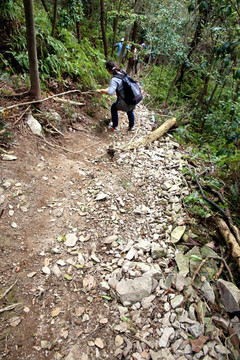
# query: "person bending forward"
116 84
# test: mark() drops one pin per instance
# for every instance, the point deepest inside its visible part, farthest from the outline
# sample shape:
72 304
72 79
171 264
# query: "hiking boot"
112 127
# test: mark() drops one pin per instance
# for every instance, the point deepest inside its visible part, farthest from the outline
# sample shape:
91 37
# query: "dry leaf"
79 311
89 282
46 262
46 270
99 343
118 341
211 245
145 354
56 312
15 321
197 344
103 321
32 274
64 334
79 333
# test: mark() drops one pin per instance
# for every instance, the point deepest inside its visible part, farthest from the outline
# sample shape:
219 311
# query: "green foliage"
163 26
71 13
197 205
58 58
10 9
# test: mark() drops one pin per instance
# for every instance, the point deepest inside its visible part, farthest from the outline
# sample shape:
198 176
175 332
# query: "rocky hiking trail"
100 258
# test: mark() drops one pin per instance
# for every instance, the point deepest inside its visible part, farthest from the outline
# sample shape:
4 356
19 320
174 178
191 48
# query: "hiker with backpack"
128 94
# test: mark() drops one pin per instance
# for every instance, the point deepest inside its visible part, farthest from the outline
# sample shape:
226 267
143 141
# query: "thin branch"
199 268
235 7
20 117
10 307
54 128
7 291
40 101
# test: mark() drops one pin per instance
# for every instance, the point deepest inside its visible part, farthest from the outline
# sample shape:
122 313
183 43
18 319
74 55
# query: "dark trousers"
114 113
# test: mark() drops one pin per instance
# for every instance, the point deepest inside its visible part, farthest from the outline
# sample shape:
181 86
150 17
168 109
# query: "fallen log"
153 136
230 239
69 102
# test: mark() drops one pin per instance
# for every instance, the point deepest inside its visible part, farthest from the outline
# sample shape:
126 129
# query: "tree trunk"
91 14
115 27
128 30
54 18
35 90
45 6
203 92
131 57
171 88
78 32
196 39
103 29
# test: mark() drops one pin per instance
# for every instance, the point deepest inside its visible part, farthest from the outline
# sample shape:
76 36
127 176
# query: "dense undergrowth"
213 136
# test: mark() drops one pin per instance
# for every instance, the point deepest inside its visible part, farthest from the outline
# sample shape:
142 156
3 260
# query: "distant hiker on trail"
116 84
119 46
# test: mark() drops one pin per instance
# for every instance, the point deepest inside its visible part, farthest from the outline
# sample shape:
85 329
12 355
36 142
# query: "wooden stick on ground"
10 307
230 239
152 136
69 102
9 289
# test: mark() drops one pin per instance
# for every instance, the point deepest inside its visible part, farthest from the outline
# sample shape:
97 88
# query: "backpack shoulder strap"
120 74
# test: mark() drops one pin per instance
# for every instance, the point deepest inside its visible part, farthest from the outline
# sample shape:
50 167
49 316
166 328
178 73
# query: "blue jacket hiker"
119 46
116 84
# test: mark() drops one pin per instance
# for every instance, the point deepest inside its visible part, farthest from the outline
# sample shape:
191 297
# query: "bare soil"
43 180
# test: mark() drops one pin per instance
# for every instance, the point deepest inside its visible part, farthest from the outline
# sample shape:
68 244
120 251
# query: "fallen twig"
10 307
9 289
98 327
225 263
199 268
54 128
133 337
219 271
20 117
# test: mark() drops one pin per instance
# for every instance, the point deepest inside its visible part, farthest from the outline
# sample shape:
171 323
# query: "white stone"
71 240
34 125
167 332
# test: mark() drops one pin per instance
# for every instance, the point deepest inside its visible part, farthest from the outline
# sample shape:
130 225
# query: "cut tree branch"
229 238
153 135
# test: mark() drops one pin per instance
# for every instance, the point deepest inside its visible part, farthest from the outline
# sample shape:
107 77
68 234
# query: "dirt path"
73 226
